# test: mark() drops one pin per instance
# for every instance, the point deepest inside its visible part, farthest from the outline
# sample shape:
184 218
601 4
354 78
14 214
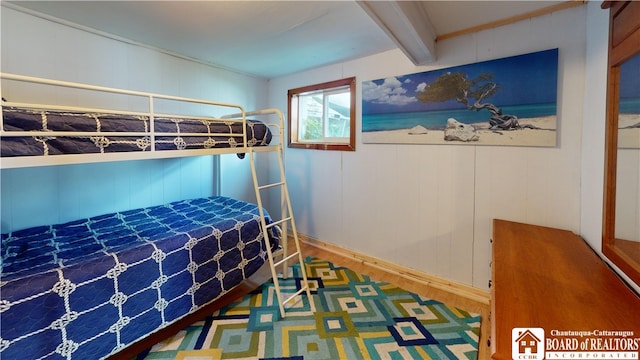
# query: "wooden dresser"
551 279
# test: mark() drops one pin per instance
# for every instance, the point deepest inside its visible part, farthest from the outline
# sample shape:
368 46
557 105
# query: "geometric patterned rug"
356 318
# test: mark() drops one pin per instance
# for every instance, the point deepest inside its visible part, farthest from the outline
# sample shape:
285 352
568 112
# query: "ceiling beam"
407 24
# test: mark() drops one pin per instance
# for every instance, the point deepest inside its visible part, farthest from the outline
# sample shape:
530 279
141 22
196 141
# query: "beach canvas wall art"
510 101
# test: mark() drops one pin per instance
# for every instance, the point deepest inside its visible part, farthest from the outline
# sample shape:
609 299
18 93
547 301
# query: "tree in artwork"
471 93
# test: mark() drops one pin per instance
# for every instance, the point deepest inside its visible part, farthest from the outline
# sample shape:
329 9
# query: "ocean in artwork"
629 106
437 119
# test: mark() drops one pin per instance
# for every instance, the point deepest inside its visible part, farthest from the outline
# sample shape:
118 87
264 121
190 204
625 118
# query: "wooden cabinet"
551 279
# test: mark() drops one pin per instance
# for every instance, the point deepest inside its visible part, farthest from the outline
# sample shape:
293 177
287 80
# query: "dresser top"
551 279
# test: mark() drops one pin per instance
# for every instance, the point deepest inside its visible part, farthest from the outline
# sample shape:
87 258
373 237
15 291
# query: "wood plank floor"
416 287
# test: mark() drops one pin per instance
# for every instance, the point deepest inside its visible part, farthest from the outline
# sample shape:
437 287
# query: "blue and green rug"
356 318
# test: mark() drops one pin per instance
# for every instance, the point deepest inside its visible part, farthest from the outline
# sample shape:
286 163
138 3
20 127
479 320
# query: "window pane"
310 115
338 110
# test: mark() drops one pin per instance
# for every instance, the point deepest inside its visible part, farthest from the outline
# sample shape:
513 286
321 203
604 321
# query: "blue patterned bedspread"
88 288
23 119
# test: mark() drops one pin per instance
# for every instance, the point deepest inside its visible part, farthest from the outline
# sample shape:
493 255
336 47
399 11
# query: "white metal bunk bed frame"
239 115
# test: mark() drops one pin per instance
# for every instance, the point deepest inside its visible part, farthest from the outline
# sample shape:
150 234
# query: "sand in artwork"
545 135
629 131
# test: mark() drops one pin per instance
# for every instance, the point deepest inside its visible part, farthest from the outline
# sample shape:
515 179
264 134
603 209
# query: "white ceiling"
276 38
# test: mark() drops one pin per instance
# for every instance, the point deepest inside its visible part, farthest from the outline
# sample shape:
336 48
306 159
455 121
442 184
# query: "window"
322 116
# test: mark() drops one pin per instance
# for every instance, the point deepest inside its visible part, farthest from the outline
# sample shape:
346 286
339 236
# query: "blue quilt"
215 134
88 288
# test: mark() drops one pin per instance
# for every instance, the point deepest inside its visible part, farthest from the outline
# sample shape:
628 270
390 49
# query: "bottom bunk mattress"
88 288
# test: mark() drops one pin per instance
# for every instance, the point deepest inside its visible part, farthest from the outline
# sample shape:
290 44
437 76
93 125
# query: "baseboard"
459 289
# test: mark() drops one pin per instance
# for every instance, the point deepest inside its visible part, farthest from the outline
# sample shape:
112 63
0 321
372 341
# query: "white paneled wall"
424 206
55 194
592 162
37 47
430 207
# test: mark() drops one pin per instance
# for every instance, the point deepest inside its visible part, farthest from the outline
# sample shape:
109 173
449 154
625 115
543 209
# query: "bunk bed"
83 134
90 288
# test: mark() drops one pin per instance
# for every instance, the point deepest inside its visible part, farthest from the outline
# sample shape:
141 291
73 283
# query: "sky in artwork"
630 77
523 79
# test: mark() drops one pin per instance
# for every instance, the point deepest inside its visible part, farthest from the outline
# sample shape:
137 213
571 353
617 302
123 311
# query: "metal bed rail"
238 115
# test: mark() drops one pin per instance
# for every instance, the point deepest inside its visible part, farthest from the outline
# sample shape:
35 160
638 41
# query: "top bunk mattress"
92 132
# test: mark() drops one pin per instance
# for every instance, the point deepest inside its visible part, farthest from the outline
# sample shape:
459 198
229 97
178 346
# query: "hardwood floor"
378 273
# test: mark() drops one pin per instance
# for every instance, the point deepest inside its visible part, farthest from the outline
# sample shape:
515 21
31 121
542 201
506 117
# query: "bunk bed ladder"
287 219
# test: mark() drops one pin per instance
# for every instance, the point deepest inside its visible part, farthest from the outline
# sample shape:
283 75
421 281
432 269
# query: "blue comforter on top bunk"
88 288
214 134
